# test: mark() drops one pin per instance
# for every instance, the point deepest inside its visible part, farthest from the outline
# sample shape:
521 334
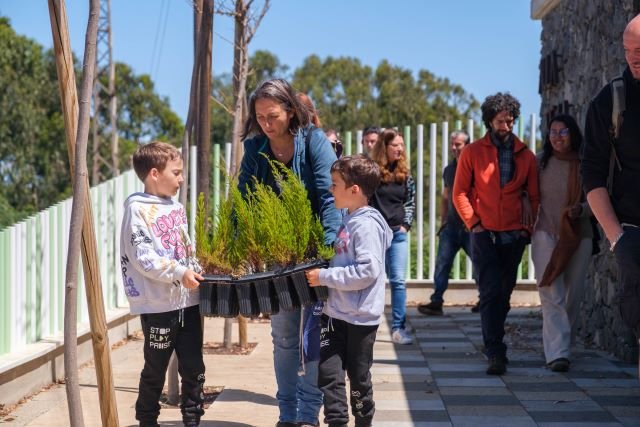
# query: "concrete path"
437 381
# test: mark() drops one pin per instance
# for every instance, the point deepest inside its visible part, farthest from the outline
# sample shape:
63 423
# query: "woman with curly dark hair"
561 245
395 199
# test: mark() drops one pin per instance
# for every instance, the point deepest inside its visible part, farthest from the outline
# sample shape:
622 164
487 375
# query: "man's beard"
502 135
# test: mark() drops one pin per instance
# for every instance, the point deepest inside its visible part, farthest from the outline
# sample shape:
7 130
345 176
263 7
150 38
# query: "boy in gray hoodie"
160 278
355 279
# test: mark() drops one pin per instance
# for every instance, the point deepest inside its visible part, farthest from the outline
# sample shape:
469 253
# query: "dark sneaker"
431 309
476 308
149 424
286 424
559 365
305 424
497 365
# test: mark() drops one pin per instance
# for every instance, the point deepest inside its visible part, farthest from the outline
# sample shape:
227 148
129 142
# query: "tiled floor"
440 380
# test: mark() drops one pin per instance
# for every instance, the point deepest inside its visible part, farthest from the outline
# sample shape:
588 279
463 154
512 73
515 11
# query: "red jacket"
477 195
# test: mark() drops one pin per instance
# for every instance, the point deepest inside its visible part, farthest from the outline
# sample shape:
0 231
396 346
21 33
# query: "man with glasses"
610 170
492 174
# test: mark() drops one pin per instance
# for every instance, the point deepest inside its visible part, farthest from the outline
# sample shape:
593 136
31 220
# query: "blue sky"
486 46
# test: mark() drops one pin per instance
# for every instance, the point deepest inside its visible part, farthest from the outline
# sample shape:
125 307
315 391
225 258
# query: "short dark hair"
371 129
358 170
155 154
497 103
281 92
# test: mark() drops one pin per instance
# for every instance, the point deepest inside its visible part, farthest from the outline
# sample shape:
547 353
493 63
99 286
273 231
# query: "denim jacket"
313 167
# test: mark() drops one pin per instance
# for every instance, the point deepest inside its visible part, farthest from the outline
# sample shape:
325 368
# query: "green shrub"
215 246
262 230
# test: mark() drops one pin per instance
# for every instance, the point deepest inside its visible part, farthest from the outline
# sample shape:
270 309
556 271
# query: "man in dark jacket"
619 212
453 234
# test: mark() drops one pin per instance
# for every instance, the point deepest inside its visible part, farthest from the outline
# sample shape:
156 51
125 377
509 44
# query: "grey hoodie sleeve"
368 239
139 248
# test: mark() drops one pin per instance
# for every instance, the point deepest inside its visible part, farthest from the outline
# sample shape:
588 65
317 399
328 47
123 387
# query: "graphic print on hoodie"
155 251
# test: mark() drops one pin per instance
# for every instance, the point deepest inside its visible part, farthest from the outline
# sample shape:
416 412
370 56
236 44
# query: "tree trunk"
204 111
239 82
77 211
78 134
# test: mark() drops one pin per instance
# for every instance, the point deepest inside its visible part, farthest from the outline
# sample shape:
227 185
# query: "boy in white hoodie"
160 276
355 279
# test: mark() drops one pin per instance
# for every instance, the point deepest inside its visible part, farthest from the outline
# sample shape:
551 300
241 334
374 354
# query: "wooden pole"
97 318
204 110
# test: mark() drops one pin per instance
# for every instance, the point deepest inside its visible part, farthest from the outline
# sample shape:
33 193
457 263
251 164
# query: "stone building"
582 51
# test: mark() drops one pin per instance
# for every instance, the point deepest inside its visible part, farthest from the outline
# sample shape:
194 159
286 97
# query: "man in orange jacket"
493 173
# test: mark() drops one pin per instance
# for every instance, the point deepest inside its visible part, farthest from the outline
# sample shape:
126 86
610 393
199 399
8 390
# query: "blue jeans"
299 398
497 267
452 238
396 266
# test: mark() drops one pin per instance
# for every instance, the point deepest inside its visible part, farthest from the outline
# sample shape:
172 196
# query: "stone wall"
581 51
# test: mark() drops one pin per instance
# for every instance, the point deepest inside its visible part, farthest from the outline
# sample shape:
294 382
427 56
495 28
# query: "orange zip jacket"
477 195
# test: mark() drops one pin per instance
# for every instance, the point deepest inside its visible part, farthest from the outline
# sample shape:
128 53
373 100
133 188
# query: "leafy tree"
34 166
142 116
33 151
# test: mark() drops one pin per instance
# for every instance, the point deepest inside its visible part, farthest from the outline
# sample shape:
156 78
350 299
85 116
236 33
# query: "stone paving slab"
438 381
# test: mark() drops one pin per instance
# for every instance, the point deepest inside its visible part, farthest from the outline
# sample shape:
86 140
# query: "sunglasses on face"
562 132
337 147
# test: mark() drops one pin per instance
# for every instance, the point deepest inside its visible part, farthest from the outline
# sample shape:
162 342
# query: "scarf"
569 236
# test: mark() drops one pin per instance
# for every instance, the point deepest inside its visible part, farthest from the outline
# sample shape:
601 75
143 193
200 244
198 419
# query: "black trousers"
496 265
346 348
163 333
627 253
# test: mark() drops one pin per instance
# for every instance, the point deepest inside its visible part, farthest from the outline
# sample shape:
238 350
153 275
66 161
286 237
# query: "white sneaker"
400 336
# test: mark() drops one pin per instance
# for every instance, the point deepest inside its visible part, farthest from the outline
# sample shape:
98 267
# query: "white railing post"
419 203
193 196
227 165
531 272
433 134
359 141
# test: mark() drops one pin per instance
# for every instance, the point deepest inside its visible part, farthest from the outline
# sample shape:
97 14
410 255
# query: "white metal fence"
33 252
33 256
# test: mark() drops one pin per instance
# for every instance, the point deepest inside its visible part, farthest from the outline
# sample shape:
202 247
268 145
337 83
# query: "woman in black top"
395 199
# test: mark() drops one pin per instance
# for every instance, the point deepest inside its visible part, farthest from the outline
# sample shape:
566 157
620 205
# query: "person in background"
562 239
492 174
453 234
370 137
618 210
355 307
395 199
279 128
311 108
336 143
160 275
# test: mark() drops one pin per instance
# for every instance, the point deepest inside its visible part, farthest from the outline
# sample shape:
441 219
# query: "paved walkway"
438 381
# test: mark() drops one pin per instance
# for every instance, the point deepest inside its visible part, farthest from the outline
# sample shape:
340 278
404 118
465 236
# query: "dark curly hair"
574 133
497 103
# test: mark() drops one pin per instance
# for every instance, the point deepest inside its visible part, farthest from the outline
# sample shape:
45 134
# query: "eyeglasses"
562 132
